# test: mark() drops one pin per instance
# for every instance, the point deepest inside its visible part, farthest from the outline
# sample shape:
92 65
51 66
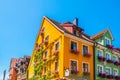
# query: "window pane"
100 53
85 67
57 46
74 65
85 49
73 45
56 66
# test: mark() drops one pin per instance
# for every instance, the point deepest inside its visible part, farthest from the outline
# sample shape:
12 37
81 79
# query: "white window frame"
101 41
85 45
58 65
115 57
88 66
110 70
56 43
102 68
73 41
116 70
99 50
109 54
107 39
74 60
44 69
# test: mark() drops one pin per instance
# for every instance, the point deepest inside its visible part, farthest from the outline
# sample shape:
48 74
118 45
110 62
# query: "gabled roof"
60 28
57 24
101 33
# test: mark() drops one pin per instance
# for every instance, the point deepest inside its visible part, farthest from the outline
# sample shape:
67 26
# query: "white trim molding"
78 39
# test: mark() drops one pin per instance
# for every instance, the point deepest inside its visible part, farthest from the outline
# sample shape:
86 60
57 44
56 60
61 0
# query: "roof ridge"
99 33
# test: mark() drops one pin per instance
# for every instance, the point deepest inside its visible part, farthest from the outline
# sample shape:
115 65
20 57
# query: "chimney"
75 21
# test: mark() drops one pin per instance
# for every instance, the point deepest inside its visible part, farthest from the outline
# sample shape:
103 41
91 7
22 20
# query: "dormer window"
47 37
76 33
100 41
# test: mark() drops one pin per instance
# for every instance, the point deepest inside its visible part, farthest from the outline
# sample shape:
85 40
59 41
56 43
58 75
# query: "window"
56 65
45 55
100 53
76 33
73 65
100 69
108 56
51 51
57 46
49 66
47 37
73 45
85 49
107 41
85 67
100 40
108 71
115 72
45 70
42 30
114 59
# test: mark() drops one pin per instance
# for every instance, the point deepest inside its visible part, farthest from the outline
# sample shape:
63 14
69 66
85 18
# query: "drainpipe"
94 60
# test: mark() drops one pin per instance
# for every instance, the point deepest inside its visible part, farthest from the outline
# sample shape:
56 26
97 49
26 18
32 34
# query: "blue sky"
20 21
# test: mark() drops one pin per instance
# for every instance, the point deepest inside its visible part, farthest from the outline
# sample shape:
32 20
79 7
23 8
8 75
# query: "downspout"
94 60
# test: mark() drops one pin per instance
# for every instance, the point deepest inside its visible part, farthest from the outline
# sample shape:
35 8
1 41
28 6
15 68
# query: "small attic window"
76 33
43 29
47 37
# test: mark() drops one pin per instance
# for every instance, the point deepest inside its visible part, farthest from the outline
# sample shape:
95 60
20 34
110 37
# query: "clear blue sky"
20 21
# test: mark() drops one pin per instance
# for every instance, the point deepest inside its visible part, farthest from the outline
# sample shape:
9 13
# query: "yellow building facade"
61 51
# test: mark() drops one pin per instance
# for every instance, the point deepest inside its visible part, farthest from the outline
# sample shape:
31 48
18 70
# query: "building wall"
105 64
54 36
30 72
105 50
12 70
79 57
